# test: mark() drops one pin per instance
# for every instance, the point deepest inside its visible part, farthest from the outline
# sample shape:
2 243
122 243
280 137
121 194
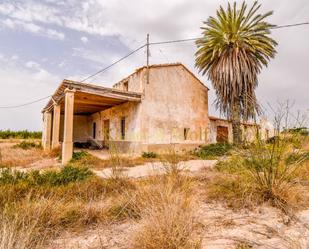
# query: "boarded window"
94 130
185 133
222 134
123 128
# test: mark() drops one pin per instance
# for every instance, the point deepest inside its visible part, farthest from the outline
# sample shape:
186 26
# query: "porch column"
47 128
56 126
67 145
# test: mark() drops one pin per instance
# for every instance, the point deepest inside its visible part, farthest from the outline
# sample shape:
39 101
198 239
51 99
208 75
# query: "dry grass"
166 207
12 156
33 212
20 231
275 173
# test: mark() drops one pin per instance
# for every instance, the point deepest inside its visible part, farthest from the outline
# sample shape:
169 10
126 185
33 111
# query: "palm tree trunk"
236 124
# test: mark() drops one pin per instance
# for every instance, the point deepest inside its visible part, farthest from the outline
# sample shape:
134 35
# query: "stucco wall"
81 128
173 100
249 131
129 110
134 81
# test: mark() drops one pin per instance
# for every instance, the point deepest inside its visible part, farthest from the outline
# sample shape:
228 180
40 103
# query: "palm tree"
234 48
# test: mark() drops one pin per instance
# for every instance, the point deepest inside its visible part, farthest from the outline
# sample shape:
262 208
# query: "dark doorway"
123 128
94 130
106 133
222 134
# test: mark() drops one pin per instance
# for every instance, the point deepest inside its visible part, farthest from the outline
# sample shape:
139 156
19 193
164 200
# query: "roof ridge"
161 65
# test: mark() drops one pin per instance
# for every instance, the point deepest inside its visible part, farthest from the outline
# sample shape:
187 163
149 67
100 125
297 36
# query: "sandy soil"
220 228
157 168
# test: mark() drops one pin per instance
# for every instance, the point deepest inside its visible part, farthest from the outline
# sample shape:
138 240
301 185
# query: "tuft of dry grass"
19 231
166 208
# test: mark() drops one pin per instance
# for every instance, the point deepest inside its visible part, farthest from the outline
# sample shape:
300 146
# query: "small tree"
234 47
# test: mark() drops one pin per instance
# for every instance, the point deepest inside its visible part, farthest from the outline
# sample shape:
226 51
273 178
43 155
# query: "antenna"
148 55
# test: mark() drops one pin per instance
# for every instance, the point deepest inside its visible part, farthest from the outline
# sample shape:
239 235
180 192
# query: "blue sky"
44 41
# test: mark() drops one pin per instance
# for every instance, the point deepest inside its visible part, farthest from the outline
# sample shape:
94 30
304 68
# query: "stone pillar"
56 126
67 145
47 129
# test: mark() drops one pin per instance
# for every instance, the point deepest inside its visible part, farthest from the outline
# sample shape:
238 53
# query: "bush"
298 130
25 145
25 134
213 150
167 216
149 155
65 176
262 173
79 155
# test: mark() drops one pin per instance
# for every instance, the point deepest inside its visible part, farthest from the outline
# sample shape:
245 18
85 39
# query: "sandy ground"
46 163
220 228
105 154
157 168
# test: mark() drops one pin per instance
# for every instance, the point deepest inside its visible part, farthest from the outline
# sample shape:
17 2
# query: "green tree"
236 44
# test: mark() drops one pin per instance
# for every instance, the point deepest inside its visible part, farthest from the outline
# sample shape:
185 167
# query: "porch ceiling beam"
107 95
112 95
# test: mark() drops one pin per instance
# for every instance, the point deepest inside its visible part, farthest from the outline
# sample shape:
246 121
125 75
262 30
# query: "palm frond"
234 48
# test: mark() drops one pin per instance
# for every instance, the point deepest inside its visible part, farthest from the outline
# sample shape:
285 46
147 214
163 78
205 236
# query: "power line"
28 103
100 71
194 39
174 41
114 63
290 25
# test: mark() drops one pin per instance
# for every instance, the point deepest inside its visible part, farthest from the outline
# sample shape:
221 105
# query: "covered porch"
70 114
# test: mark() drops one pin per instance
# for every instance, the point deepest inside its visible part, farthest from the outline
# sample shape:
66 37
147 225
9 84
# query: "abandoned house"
150 110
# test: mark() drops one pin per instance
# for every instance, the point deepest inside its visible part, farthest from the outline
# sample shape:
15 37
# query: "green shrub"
297 130
297 157
149 155
65 176
213 150
233 165
79 155
25 145
24 134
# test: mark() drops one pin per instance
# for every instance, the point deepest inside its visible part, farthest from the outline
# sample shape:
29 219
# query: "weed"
149 155
79 155
85 159
167 218
26 145
213 150
53 178
261 173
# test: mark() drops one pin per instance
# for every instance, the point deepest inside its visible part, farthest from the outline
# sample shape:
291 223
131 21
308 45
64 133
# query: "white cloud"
24 84
62 64
55 34
32 64
84 39
32 28
14 57
90 55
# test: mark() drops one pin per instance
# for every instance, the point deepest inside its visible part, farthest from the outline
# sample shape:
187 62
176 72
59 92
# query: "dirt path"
158 168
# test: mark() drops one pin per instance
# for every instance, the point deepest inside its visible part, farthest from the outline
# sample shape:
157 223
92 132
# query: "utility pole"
147 54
